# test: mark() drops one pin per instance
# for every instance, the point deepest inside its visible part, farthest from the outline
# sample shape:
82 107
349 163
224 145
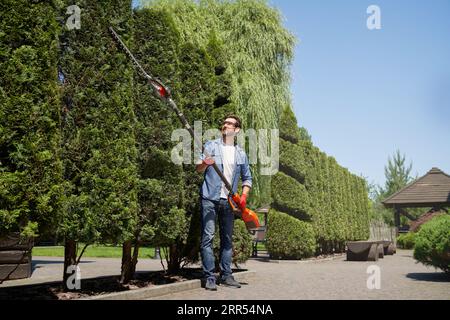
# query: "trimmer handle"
250 217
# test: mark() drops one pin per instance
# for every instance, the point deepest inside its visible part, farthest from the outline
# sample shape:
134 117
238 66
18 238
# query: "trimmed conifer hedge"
290 196
30 165
99 141
288 237
314 188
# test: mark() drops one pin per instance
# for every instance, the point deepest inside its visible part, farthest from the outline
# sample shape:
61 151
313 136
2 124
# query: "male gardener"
233 162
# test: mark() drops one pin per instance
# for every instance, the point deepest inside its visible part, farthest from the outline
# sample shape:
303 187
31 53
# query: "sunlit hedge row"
313 187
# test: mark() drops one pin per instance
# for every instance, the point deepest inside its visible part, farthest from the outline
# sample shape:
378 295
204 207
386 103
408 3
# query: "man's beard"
227 133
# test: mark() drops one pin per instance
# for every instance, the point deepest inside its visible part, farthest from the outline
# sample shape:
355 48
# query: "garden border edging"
157 291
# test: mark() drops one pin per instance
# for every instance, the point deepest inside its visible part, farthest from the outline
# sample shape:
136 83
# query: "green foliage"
242 243
288 237
314 188
30 167
158 204
290 196
162 215
100 157
406 241
95 251
432 243
202 93
294 161
398 175
289 130
255 57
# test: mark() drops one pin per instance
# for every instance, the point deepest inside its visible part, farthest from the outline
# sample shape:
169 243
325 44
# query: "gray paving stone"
401 278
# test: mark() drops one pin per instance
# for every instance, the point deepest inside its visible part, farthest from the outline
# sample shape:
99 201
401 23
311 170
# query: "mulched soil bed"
96 286
99 286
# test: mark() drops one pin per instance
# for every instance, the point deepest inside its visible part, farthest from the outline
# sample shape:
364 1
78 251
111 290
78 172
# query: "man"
233 162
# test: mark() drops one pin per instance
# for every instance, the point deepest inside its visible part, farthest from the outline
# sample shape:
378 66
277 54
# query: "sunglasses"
234 124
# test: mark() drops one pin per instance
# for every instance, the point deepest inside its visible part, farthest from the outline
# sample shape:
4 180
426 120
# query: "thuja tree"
203 95
30 167
289 193
257 59
161 215
100 170
290 196
168 197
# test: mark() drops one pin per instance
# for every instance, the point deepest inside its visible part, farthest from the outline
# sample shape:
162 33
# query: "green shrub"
242 243
288 237
432 246
289 130
290 196
406 241
293 160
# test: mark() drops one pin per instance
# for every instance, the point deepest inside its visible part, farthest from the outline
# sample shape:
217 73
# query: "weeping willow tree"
259 51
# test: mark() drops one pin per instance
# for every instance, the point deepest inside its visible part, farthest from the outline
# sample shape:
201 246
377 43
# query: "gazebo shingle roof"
433 189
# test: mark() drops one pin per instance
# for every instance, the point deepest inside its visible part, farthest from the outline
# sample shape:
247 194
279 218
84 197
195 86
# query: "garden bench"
388 247
15 257
259 234
370 250
382 241
364 250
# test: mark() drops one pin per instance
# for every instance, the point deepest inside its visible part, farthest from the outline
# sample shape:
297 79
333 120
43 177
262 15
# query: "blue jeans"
210 210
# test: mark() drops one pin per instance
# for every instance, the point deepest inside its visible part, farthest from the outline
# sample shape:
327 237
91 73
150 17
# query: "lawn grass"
261 246
101 251
93 251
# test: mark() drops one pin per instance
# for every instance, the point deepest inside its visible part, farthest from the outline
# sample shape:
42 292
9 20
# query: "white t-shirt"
229 164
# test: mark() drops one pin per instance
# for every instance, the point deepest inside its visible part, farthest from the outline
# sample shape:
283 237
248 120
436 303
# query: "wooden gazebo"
431 190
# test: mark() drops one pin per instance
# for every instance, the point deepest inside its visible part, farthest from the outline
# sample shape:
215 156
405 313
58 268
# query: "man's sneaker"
230 282
211 284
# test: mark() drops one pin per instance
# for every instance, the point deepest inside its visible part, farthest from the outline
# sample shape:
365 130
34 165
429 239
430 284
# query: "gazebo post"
397 219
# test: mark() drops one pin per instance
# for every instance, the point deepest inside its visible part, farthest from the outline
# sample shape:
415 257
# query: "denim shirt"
212 185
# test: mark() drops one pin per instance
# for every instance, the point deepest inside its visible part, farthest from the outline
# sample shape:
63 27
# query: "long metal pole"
164 94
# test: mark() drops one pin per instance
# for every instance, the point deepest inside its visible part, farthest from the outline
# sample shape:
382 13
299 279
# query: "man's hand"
208 161
205 164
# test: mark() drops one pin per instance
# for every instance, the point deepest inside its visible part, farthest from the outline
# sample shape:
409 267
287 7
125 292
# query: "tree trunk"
174 260
134 261
129 260
126 274
70 259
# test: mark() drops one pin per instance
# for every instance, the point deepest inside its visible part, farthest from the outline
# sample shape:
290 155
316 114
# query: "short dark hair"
235 117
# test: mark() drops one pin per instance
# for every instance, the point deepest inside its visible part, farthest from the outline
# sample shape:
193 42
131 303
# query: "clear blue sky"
363 94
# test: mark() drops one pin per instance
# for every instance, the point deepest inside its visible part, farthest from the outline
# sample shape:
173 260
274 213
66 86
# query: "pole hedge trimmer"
163 93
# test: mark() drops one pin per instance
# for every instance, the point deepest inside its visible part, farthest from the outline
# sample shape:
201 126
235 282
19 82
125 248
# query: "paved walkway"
401 278
49 269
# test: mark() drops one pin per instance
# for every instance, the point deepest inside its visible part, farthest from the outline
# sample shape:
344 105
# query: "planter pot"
15 257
